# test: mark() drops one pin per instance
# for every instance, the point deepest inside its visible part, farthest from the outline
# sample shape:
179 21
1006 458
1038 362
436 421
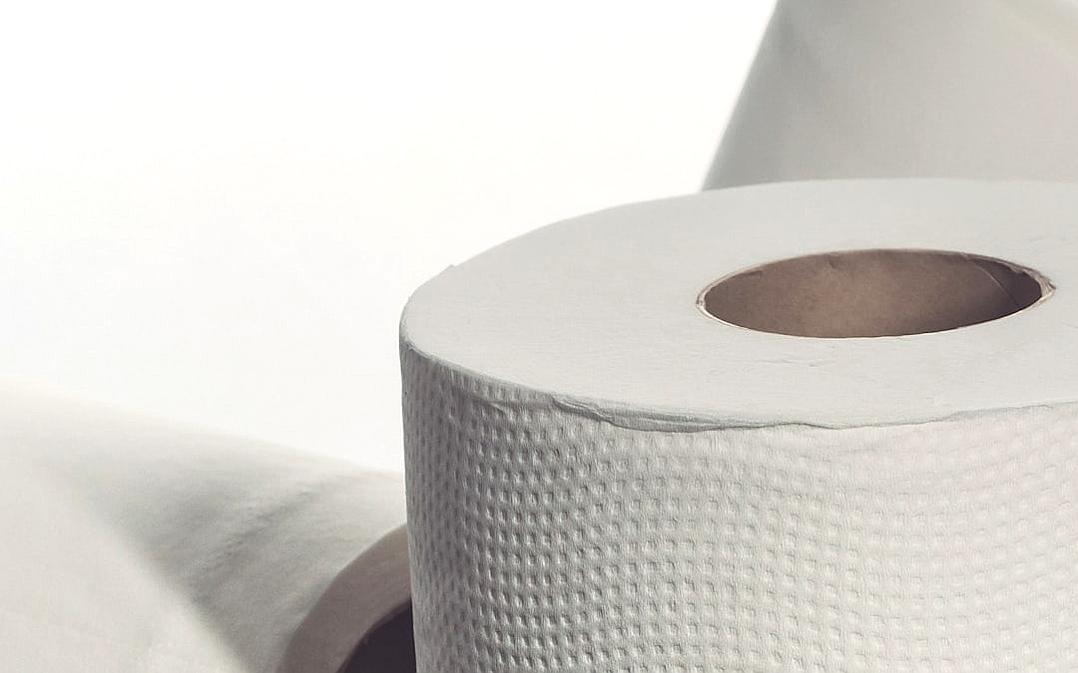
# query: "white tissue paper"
892 88
135 545
604 477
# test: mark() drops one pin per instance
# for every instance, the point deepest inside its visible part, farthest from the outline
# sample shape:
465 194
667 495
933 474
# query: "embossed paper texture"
609 479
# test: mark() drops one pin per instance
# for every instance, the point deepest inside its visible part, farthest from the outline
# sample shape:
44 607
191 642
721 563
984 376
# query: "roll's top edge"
598 314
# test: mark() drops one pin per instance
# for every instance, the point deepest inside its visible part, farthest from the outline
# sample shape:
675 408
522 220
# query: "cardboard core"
871 293
389 648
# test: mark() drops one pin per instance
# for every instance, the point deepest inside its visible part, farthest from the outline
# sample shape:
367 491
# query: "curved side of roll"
955 88
544 539
264 552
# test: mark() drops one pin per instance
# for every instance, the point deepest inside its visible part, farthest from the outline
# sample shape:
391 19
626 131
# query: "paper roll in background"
893 88
136 545
605 475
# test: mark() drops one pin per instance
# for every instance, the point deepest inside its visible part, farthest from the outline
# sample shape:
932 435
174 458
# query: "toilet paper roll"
892 88
139 545
624 454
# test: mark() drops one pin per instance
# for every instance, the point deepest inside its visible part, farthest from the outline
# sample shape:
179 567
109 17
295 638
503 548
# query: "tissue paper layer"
604 478
137 545
949 88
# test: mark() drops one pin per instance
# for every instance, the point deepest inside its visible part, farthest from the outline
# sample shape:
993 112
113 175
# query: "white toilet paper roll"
137 545
893 88
612 468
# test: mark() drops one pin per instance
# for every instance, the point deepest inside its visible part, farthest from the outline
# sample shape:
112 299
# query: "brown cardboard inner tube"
390 648
872 293
362 623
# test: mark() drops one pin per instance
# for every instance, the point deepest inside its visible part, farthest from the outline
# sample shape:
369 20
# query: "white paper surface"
603 478
891 88
134 545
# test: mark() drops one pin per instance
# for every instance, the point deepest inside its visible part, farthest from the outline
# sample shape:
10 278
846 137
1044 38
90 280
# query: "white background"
214 211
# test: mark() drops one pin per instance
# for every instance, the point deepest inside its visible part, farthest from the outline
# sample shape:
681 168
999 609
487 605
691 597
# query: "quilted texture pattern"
544 540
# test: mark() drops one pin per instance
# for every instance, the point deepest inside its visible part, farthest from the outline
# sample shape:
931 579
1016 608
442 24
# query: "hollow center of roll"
871 293
390 648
